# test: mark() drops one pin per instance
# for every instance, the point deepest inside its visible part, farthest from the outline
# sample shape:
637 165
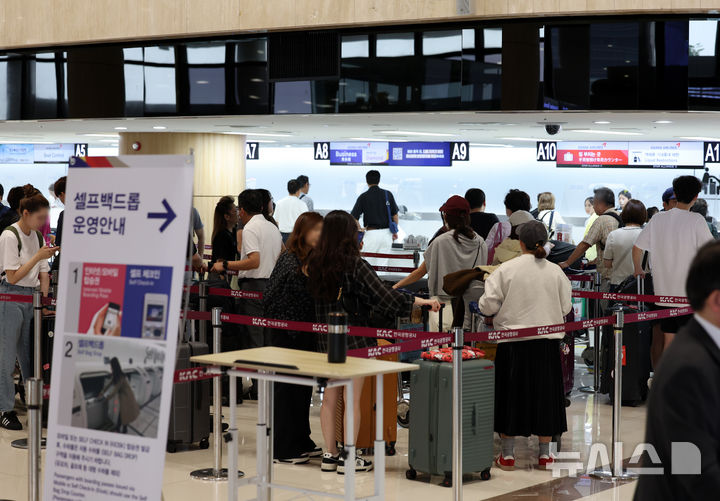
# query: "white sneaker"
360 465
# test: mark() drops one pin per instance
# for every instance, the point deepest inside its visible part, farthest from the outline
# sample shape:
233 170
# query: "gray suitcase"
430 447
190 409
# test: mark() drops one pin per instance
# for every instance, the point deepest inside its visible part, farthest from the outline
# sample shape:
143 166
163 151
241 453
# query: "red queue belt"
387 256
581 278
394 269
24 298
646 298
219 291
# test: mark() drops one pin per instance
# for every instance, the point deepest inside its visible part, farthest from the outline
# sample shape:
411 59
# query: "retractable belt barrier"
645 298
388 256
580 278
22 298
219 291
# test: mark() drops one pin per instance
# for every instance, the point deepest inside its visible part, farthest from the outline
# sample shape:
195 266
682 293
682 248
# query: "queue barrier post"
617 472
217 472
457 435
597 282
202 306
416 259
24 443
33 395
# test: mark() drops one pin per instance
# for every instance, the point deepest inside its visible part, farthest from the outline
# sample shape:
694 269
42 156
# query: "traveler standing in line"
15 195
59 189
480 221
701 207
515 200
591 253
224 239
340 280
287 298
378 210
672 238
528 291
3 208
128 408
608 221
618 250
623 197
547 214
669 201
198 229
289 209
684 404
458 248
23 267
304 189
652 211
261 246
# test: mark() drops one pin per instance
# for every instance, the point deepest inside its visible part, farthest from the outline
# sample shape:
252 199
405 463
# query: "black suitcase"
190 409
636 366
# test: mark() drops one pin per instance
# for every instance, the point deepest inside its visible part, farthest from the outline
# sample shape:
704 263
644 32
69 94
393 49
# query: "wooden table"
271 364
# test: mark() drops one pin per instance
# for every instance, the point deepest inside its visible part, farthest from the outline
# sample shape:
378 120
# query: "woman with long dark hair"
340 280
458 248
528 291
287 298
23 266
127 403
224 241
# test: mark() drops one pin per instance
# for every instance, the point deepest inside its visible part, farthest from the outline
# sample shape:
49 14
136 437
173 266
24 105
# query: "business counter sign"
416 154
123 263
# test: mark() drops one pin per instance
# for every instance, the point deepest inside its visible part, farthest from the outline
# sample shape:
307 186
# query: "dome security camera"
553 129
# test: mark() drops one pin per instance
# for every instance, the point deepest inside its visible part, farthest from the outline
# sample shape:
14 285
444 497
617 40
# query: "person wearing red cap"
458 248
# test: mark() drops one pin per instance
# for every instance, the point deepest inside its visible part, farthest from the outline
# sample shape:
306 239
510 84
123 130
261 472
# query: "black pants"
256 336
291 431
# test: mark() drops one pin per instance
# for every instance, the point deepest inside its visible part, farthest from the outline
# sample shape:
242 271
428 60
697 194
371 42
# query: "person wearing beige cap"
528 291
458 248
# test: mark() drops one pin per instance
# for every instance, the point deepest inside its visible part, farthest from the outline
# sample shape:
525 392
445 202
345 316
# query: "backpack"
14 231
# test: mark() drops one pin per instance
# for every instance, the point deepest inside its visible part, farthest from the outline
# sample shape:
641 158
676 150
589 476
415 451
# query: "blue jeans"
14 341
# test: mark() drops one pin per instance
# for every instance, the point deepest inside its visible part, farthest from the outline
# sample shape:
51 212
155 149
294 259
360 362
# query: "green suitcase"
430 447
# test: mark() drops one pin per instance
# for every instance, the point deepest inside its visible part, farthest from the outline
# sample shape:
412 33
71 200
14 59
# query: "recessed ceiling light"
202 82
699 138
263 141
533 139
606 132
412 133
114 141
258 134
491 145
601 122
159 127
101 135
378 140
662 121
120 128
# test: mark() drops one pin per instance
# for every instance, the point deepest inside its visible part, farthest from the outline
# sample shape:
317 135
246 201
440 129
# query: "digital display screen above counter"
416 154
40 153
633 154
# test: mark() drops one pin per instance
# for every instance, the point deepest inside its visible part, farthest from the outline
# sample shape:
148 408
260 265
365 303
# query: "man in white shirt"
304 189
672 238
261 246
289 209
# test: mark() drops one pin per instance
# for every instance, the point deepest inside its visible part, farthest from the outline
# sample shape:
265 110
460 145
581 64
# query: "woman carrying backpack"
23 266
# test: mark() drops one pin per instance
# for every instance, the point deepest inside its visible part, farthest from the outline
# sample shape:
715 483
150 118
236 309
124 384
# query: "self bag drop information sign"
120 285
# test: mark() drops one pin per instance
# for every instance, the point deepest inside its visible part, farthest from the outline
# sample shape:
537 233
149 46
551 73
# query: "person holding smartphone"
23 267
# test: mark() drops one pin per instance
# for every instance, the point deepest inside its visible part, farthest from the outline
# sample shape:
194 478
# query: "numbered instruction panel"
124 251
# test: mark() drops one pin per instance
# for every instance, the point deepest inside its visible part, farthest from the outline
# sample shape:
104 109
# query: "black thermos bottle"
337 338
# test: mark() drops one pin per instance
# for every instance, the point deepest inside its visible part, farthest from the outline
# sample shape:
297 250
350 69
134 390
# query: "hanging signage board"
57 153
123 262
397 154
634 154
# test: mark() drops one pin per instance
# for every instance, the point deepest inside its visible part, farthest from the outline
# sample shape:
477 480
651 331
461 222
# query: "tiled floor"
589 420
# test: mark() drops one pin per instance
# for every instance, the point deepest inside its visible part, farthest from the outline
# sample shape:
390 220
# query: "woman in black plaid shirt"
340 280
